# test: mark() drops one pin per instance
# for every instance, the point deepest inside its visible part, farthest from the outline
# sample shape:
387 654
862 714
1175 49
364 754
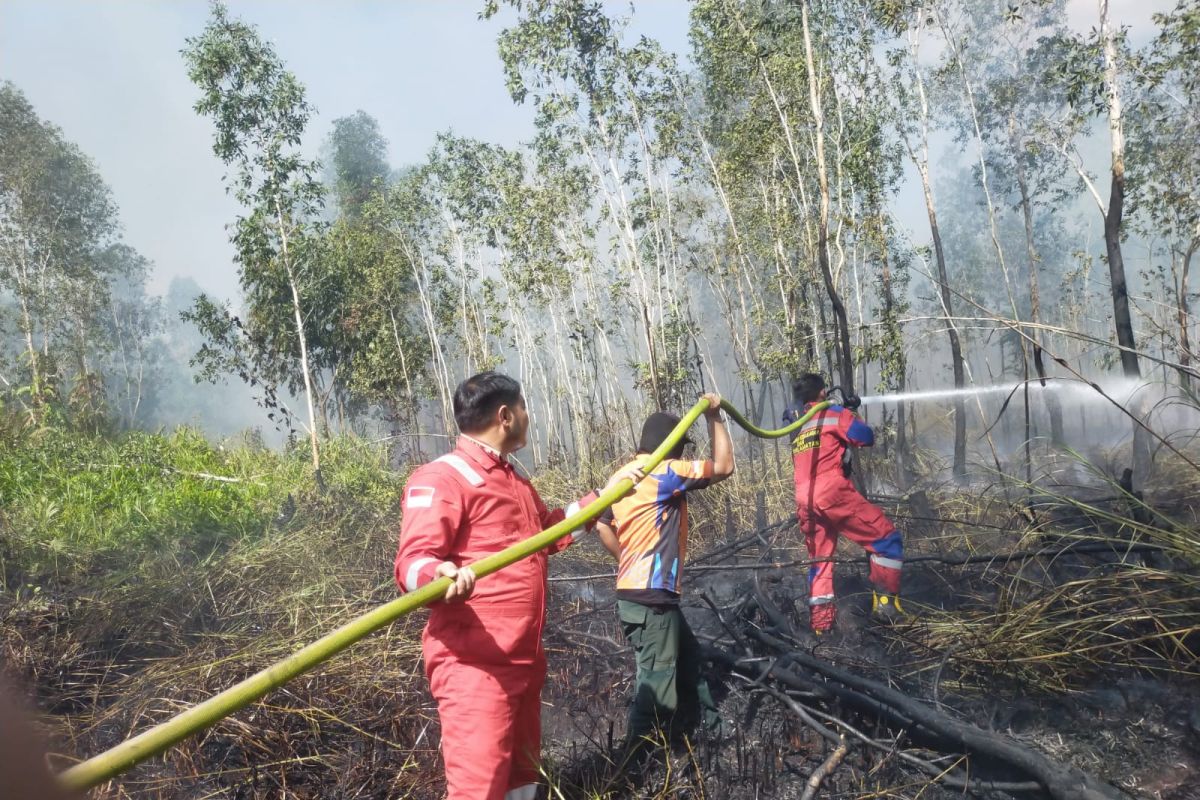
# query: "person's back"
828 505
819 447
652 529
647 533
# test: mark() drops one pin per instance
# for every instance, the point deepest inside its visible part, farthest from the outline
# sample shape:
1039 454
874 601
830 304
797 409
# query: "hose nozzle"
849 399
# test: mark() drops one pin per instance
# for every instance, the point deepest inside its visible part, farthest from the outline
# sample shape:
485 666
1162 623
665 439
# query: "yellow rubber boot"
886 607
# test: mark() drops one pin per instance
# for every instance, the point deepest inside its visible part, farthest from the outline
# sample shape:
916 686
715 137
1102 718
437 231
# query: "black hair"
808 387
656 429
477 398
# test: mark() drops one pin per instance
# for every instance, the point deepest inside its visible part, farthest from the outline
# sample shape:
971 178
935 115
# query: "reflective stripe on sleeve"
526 792
890 563
463 468
820 422
414 569
821 599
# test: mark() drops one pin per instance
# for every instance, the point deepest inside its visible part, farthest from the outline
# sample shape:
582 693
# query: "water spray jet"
1121 389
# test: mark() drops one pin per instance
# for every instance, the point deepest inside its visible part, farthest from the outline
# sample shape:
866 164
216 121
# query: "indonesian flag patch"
419 497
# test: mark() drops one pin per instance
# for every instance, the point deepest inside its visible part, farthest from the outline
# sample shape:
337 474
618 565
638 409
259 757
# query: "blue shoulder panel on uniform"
860 433
669 483
837 409
890 546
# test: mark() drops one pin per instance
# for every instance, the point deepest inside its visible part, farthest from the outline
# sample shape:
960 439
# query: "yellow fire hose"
145 745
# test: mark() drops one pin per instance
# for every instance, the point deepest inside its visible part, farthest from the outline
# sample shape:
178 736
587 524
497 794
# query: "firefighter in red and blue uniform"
829 505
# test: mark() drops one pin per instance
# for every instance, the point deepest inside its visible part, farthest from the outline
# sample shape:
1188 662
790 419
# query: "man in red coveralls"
827 504
483 645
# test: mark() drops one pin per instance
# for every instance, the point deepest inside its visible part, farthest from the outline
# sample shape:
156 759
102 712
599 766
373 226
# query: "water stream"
1119 389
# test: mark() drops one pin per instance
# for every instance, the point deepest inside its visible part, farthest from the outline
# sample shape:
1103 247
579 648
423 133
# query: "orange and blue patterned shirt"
652 526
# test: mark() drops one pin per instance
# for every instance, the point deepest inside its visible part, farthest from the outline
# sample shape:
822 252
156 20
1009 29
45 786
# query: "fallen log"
1061 781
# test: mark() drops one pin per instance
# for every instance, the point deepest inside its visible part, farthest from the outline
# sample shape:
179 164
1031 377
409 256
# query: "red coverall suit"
483 657
827 504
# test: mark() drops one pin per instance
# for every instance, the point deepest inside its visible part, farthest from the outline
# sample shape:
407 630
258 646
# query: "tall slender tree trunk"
26 324
996 245
416 261
845 352
956 354
1116 203
1184 315
1112 244
900 369
298 318
1035 301
35 381
921 161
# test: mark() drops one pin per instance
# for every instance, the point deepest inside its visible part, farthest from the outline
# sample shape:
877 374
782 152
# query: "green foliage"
357 160
70 499
72 503
259 112
60 257
1164 162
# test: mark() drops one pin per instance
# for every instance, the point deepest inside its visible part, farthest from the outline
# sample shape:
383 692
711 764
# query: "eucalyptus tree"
616 106
485 200
525 206
1092 74
409 296
986 50
907 88
384 356
958 33
56 219
133 325
816 107
357 174
759 275
759 264
357 161
1086 72
1012 109
1164 163
260 113
764 102
889 346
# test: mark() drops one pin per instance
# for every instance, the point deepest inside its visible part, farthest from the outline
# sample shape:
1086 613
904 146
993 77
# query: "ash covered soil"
1065 645
1133 727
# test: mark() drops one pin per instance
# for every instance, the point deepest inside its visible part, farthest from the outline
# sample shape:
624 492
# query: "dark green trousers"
671 692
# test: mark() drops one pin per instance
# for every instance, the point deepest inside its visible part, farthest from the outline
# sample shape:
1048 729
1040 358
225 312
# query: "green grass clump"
70 499
72 503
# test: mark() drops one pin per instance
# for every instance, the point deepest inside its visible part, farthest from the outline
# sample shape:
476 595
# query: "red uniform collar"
481 454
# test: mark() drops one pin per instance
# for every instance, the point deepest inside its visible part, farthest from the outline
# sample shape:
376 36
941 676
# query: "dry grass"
1058 622
118 651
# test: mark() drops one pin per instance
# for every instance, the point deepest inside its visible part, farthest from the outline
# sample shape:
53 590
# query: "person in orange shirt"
647 533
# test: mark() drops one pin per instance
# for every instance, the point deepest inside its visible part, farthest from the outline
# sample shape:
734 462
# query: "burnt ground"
1136 729
1082 652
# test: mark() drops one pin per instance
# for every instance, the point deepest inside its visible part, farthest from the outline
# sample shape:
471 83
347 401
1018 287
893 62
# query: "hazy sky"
110 74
